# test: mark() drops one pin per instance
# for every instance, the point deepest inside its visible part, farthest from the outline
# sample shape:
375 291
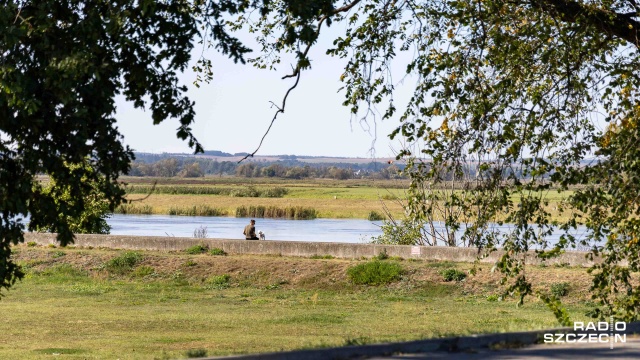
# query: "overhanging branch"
622 26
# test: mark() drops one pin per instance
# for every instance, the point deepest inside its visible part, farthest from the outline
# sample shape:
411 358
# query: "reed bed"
294 213
197 210
249 191
134 209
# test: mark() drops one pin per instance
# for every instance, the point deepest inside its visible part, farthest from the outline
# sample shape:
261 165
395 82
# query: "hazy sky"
234 111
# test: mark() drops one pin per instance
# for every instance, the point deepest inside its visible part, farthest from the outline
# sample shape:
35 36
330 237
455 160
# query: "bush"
219 281
375 216
453 275
142 271
217 252
190 263
124 262
200 232
276 192
560 289
197 249
382 255
32 244
196 353
375 273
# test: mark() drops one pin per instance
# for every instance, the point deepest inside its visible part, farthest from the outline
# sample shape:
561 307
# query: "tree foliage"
92 220
62 63
537 96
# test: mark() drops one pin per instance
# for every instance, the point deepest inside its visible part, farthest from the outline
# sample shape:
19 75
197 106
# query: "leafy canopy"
62 62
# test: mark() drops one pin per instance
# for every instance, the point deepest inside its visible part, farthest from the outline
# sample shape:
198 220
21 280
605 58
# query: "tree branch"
296 73
280 110
622 26
345 8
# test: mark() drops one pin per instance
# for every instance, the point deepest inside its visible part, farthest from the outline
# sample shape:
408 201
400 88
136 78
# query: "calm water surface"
318 230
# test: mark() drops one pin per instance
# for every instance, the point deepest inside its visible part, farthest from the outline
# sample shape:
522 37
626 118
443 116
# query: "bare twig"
153 188
296 73
280 110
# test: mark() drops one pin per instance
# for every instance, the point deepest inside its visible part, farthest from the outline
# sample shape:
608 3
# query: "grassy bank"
97 304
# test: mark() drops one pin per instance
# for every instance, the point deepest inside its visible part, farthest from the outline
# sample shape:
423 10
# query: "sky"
234 111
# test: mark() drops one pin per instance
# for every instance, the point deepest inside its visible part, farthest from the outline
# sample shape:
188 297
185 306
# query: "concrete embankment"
298 248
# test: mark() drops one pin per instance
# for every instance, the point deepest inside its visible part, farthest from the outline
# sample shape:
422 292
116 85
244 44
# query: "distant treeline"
167 165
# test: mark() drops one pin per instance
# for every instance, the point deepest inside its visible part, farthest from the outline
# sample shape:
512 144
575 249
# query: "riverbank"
78 304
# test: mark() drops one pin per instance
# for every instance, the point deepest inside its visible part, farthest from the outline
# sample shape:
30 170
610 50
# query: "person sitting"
250 231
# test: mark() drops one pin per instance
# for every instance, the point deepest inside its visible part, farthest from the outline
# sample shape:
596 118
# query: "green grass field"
354 199
83 304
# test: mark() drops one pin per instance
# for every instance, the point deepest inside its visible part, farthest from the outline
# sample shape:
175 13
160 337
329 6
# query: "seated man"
250 231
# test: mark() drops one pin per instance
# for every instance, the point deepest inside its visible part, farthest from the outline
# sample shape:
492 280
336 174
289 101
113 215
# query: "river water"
318 230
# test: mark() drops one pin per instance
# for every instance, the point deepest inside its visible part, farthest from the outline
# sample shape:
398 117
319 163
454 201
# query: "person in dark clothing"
250 231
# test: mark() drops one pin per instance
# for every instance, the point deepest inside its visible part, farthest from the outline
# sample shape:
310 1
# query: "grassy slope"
71 304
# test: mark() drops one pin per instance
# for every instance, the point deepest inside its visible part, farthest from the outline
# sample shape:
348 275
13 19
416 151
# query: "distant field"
354 199
330 198
77 304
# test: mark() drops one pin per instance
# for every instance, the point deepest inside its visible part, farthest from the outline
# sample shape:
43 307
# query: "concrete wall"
295 248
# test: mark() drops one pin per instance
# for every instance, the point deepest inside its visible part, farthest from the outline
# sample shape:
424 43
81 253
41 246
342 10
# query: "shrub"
249 191
196 353
124 262
382 255
219 281
560 289
57 254
142 271
375 273
32 244
453 275
276 192
200 232
217 252
375 216
197 249
190 263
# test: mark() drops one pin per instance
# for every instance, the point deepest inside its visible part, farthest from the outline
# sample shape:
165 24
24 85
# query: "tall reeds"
294 213
197 210
134 209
